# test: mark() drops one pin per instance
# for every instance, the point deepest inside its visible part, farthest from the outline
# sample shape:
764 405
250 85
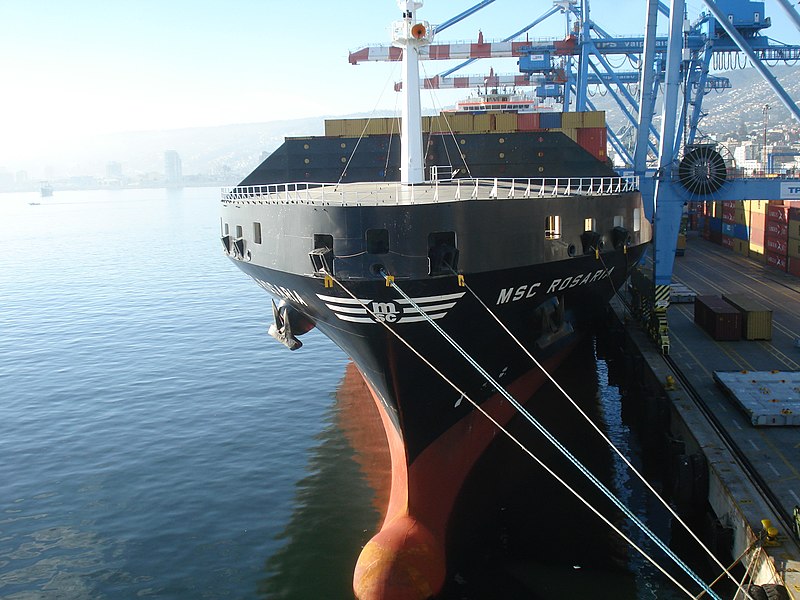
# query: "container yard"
731 383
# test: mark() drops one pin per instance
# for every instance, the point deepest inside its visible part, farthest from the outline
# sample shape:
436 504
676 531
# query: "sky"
72 69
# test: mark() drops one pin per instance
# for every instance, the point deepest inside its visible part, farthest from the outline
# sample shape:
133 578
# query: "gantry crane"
673 166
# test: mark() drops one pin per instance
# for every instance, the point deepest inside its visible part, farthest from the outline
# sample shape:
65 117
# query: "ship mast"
410 34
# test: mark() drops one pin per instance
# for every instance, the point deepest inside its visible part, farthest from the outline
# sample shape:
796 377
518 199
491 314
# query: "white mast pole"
410 34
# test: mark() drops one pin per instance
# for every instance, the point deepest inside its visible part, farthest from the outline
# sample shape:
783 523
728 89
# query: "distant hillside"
744 103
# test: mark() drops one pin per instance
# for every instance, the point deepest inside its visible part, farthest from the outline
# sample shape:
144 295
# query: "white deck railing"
432 191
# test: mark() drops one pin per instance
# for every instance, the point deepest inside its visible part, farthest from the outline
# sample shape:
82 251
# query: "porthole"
502 140
502 155
306 161
571 250
540 154
463 141
344 159
343 145
305 146
541 169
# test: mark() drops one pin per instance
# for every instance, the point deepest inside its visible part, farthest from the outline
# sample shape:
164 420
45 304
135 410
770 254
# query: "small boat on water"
423 280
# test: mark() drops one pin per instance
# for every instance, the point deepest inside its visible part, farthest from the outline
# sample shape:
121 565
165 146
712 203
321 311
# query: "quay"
749 474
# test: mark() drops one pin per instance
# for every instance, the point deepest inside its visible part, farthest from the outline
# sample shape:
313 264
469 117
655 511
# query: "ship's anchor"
281 329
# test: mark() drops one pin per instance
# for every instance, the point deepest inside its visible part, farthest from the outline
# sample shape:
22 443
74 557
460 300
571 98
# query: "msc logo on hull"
357 310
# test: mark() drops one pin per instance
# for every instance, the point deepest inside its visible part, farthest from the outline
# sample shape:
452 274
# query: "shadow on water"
529 538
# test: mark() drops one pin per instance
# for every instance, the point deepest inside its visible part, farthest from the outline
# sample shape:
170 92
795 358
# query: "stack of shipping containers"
728 218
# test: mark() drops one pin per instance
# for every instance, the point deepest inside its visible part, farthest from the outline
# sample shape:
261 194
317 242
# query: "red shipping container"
794 266
728 215
528 121
593 140
777 230
777 214
776 260
777 245
720 320
728 204
727 241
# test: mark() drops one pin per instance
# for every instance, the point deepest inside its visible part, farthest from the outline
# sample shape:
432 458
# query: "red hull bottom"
406 559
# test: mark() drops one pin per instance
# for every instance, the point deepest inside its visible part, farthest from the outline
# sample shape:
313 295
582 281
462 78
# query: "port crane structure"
674 164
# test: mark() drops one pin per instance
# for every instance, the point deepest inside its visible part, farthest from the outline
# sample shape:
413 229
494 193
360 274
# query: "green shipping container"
756 318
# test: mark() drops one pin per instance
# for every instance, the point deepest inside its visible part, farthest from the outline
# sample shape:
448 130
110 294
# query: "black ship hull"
462 263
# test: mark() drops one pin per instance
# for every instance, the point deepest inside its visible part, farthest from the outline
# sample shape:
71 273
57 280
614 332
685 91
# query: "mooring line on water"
554 441
600 432
522 446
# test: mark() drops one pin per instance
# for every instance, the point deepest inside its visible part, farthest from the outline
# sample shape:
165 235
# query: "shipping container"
775 260
741 232
741 247
715 224
757 237
727 228
777 214
757 206
794 211
726 240
482 123
461 122
594 141
594 118
777 245
793 266
728 215
334 127
777 230
572 119
550 120
794 229
793 248
506 122
528 121
758 220
718 318
756 318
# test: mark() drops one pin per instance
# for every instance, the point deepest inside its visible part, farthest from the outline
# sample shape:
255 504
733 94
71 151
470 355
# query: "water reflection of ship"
496 545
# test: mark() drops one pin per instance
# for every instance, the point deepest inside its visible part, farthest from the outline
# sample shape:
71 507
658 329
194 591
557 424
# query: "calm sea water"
156 442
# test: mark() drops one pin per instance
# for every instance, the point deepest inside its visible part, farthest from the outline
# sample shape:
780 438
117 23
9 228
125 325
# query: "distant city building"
114 170
22 177
173 171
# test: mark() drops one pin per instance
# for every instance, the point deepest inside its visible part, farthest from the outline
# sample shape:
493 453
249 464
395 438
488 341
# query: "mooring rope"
599 431
522 446
558 445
